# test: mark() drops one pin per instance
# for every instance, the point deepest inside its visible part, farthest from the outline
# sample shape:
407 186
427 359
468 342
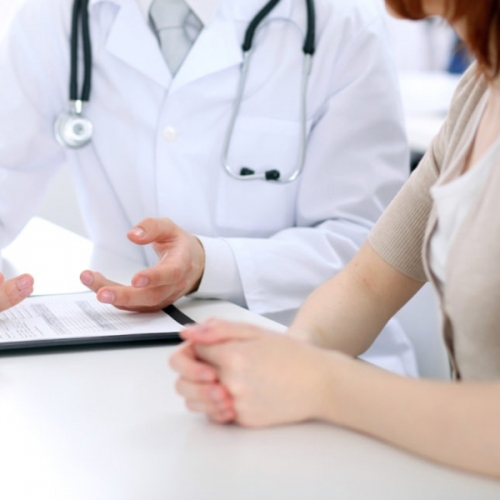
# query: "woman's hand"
250 376
14 290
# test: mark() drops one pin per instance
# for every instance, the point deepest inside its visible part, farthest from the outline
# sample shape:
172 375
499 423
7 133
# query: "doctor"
159 140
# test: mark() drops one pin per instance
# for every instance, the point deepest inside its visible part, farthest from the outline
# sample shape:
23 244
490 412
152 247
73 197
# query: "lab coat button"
170 134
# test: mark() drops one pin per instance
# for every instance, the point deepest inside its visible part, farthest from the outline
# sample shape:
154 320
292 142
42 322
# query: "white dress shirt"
204 9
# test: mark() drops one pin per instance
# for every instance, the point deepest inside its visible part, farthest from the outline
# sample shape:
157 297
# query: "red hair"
482 24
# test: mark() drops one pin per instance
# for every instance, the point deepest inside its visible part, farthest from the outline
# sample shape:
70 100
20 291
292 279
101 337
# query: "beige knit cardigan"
470 301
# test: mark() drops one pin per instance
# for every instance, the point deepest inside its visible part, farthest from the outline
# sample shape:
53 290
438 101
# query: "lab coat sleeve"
29 153
357 160
221 277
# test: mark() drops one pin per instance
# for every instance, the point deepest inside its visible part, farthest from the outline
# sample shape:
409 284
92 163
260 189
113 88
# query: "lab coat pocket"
258 208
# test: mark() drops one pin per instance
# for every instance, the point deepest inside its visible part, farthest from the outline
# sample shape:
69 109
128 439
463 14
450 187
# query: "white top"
453 201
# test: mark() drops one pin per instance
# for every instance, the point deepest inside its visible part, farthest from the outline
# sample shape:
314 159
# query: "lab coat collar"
204 9
217 47
247 10
130 38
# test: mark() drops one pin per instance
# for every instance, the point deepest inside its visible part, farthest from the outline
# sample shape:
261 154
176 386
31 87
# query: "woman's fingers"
216 331
184 362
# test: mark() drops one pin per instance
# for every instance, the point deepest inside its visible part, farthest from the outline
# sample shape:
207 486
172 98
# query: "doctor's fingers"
181 266
15 290
95 281
183 361
165 273
151 230
138 299
128 297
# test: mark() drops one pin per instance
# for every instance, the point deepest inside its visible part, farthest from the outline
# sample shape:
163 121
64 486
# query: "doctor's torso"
158 141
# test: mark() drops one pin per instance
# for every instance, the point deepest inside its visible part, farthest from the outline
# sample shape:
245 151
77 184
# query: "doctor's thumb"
152 230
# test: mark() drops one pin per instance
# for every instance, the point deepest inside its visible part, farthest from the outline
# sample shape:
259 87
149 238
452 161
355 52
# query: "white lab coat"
157 144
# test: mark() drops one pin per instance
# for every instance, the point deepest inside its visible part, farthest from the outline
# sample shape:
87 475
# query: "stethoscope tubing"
308 49
80 18
80 12
271 174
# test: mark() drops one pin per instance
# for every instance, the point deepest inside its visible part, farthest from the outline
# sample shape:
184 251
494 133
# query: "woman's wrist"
333 371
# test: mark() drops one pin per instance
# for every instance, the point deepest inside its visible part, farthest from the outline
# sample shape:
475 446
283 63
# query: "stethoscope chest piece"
72 130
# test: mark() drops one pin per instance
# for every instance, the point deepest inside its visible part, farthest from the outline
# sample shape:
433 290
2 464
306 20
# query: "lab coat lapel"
219 46
133 42
216 48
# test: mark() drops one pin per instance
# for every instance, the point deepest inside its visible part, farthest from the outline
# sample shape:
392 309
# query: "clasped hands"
234 372
178 272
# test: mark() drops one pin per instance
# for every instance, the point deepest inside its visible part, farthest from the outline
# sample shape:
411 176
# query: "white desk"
106 425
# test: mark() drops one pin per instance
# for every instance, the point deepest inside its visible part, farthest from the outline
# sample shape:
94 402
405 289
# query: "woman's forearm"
451 423
350 310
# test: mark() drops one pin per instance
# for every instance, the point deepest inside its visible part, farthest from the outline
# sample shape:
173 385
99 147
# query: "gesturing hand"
177 273
14 290
251 376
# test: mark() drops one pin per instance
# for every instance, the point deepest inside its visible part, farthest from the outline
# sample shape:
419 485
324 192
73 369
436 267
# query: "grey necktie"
177 28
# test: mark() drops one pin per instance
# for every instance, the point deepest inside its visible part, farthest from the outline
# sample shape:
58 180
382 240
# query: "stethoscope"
74 131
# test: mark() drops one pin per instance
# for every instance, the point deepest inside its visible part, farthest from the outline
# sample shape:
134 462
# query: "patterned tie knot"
177 27
169 14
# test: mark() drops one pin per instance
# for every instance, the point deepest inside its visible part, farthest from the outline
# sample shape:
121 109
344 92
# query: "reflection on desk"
106 424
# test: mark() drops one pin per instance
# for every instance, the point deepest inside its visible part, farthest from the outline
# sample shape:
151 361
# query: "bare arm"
349 311
270 379
455 424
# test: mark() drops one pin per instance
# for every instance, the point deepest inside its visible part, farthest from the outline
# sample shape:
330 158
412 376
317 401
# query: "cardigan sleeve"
398 236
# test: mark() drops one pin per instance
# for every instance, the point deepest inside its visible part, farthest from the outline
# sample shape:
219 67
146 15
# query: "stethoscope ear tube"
310 41
72 129
80 16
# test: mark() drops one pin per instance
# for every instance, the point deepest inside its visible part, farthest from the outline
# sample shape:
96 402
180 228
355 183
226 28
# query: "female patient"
444 226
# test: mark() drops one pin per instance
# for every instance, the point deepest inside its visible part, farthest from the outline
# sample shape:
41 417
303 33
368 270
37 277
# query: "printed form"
78 315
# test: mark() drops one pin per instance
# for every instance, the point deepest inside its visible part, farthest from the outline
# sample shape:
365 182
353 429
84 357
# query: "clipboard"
79 319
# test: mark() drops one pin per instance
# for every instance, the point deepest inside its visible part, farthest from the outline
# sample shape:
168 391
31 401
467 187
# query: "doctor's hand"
14 290
178 272
242 373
